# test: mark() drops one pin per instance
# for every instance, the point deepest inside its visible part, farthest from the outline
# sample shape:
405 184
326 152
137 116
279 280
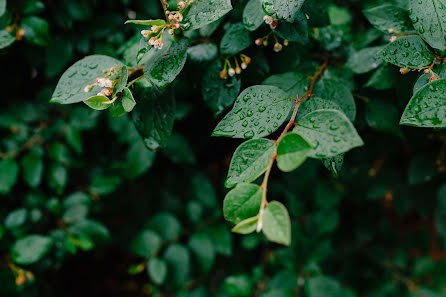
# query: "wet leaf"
283 9
364 60
242 202
385 17
235 40
253 15
333 90
250 160
6 39
276 223
257 112
292 151
202 13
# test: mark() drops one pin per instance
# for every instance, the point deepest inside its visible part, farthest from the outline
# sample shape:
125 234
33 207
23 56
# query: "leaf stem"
163 4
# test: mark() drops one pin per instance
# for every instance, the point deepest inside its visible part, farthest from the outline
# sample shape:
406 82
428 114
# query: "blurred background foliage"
87 210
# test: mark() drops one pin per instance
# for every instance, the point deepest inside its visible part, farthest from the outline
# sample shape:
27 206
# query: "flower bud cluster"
273 23
245 61
264 41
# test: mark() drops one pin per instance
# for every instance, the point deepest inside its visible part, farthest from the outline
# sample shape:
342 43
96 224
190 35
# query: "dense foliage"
129 185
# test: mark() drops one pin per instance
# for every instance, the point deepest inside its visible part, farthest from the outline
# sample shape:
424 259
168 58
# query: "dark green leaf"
253 15
30 249
8 175
235 40
283 9
385 17
292 151
242 202
157 270
202 13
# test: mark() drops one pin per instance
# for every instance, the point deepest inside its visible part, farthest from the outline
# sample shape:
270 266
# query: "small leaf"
296 31
427 108
98 102
164 65
276 223
70 88
383 116
235 40
8 175
147 22
410 51
250 160
128 102
242 202
318 286
257 112
32 169
178 258
201 245
385 17
428 19
292 151
203 52
246 226
253 15
6 39
157 270
202 13
146 243
364 60
166 225
329 132
36 30
30 249
293 83
333 90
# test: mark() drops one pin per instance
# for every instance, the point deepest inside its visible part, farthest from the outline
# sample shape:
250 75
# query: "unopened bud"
223 74
106 92
146 33
170 31
277 47
392 31
88 88
231 72
393 38
155 28
171 17
179 17
433 78
238 70
265 42
268 19
244 65
274 24
247 60
20 279
259 41
158 44
152 41
181 5
404 70
177 26
286 42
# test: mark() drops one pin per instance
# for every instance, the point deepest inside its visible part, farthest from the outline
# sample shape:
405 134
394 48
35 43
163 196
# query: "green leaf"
128 102
315 103
250 160
384 78
253 15
2 7
296 31
292 151
385 17
16 219
98 102
147 22
242 202
70 88
219 94
293 83
439 70
428 19
334 164
36 30
165 225
383 116
91 230
276 223
257 112
164 65
222 239
154 115
58 177
6 39
32 165
157 270
333 90
139 160
364 60
283 9
146 243
329 132
201 245
202 13
235 40
30 249
121 80
410 51
178 258
427 107
8 175
246 226
203 52
323 286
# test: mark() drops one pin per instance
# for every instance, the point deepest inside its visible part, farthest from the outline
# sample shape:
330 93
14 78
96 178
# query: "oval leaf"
292 151
242 202
276 223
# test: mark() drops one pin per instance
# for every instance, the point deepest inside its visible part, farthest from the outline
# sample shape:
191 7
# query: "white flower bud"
268 19
181 5
152 41
170 31
179 17
155 29
177 26
393 38
159 44
277 47
146 33
171 17
244 65
231 71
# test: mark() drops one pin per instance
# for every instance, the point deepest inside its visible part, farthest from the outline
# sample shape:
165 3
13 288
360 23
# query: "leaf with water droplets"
250 160
219 94
253 15
385 17
429 19
242 202
154 115
276 223
427 108
203 52
337 92
98 102
409 51
70 88
296 31
6 39
202 13
235 40
292 151
283 9
364 60
439 70
315 103
329 132
334 164
164 65
294 84
257 112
